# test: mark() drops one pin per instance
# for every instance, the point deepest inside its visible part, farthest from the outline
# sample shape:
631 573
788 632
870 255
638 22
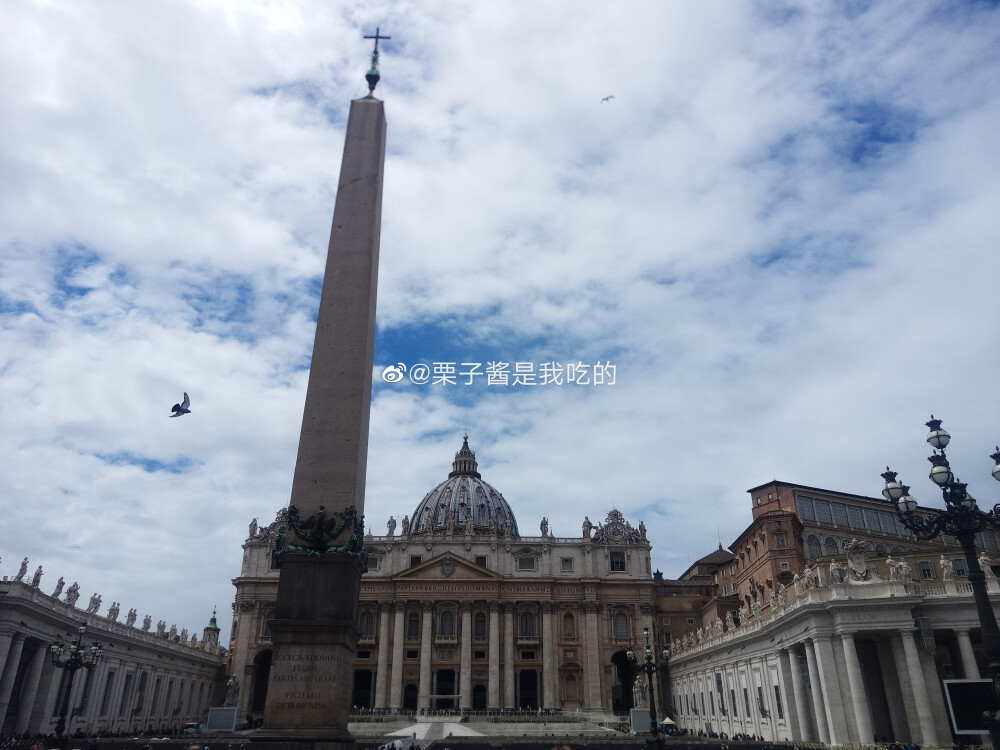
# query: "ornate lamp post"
961 519
72 656
650 668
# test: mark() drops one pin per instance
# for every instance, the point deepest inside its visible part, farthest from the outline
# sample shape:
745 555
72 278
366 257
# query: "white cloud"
781 230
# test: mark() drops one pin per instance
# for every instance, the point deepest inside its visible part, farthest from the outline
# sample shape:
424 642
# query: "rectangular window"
414 560
871 520
711 703
528 655
823 514
760 700
732 699
888 522
805 505
857 517
125 695
746 700
374 562
690 621
990 540
479 654
777 703
702 697
617 561
926 570
804 670
566 565
960 566
413 654
840 514
107 693
525 563
481 561
784 566
364 654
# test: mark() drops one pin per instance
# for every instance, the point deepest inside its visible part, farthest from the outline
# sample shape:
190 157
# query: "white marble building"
462 610
838 663
148 678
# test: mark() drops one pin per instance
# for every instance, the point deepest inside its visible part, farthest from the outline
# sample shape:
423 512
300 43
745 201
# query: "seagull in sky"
181 408
607 98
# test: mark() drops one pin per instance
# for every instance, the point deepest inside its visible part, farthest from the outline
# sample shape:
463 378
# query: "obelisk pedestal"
322 552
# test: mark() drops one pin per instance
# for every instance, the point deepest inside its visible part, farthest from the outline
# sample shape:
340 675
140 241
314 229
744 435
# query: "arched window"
527 625
480 625
812 541
447 623
367 624
621 626
569 626
830 546
413 626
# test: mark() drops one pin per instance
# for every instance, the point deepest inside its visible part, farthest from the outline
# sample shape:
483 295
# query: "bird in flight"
181 408
607 98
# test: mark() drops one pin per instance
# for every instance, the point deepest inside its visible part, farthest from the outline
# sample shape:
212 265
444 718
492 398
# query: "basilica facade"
460 610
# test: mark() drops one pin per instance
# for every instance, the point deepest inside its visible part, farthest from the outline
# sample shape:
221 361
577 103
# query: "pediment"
446 567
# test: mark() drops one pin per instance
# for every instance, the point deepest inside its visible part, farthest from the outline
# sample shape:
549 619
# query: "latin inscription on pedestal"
309 682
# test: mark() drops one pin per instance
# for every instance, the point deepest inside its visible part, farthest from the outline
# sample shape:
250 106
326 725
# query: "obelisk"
321 555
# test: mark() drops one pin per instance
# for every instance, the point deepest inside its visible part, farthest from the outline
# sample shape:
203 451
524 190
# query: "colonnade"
817 689
117 694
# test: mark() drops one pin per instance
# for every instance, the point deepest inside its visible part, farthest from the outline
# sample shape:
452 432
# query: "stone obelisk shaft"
333 444
314 628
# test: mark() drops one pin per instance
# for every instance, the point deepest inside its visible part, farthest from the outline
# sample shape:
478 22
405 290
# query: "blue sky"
782 232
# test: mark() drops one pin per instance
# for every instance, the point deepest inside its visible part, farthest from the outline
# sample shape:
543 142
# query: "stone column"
508 655
29 690
593 646
465 673
427 621
548 658
816 686
382 669
398 636
800 711
859 696
969 664
915 676
826 665
493 680
10 672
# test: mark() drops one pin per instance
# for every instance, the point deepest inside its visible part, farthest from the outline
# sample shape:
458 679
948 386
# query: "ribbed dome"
464 492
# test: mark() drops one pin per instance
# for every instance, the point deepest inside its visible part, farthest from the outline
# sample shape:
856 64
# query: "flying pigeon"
181 408
607 98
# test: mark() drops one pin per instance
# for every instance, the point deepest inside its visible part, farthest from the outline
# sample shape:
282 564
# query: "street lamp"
651 668
961 519
72 656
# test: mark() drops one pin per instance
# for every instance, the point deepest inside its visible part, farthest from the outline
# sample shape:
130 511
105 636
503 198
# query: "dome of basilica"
464 495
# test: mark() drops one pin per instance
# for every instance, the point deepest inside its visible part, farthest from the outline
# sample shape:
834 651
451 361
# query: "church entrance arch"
444 685
363 686
527 689
623 674
261 676
410 698
479 697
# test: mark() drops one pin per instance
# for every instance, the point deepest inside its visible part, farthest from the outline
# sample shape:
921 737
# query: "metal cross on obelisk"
373 75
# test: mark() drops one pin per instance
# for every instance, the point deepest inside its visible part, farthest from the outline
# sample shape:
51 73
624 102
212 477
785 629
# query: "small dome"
463 493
